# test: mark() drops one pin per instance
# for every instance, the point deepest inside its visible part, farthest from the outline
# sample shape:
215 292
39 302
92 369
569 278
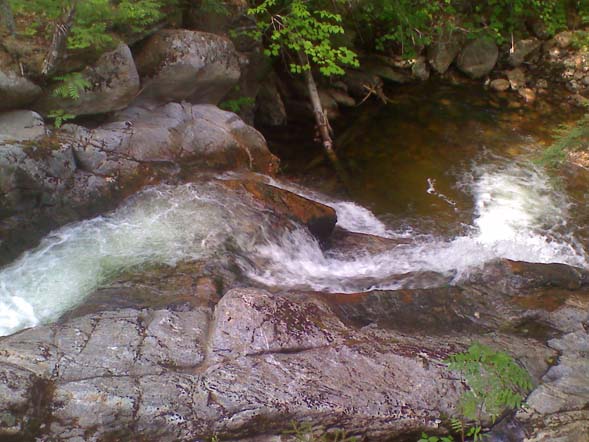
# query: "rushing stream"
459 212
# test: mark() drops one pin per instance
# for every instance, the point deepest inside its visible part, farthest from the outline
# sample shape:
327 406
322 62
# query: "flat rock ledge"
246 368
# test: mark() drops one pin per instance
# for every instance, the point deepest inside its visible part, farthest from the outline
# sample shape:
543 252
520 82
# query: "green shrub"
567 139
95 22
495 382
303 32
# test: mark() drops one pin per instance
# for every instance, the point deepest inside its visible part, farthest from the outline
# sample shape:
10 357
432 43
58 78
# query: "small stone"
542 84
527 94
500 84
517 78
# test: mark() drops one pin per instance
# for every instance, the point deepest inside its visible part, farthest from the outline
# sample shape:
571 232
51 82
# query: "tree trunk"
322 122
320 118
6 17
59 41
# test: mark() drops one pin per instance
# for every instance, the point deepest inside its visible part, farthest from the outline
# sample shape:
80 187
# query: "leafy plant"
72 85
304 433
95 20
303 34
567 139
237 104
59 116
426 438
495 381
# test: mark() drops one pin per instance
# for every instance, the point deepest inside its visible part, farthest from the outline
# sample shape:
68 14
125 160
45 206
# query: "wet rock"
443 52
514 275
319 219
500 84
114 83
344 241
260 332
33 175
478 58
365 362
21 125
341 97
387 69
178 65
360 84
76 168
198 136
523 50
517 78
420 69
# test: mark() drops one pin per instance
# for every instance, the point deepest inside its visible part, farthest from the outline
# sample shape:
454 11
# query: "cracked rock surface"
249 365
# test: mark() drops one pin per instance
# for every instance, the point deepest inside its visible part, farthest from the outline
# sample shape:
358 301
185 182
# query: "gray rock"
21 125
420 69
478 58
162 375
114 83
255 68
444 51
16 91
386 72
76 167
517 78
270 110
178 65
523 50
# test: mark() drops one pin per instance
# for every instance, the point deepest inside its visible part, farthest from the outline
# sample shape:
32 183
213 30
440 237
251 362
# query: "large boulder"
523 50
16 91
178 65
21 125
55 178
114 83
478 58
200 137
443 51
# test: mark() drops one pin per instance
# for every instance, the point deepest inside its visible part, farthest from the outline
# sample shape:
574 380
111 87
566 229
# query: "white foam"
518 215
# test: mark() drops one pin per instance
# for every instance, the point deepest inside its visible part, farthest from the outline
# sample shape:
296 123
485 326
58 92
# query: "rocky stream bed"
161 283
